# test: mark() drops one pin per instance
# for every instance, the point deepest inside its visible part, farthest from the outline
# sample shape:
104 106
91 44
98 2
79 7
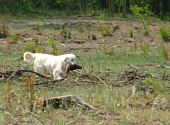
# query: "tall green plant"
144 15
53 45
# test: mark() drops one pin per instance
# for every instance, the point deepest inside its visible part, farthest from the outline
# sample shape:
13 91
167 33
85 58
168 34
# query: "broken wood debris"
60 102
132 75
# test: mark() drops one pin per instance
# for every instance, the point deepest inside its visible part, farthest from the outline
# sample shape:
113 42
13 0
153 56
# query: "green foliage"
53 46
13 39
144 15
28 47
91 10
40 49
101 17
41 18
145 48
164 33
90 7
105 31
155 84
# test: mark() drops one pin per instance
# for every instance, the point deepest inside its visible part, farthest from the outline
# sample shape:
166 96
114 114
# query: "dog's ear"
65 60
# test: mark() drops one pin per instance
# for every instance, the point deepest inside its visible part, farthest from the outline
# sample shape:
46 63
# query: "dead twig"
132 67
100 80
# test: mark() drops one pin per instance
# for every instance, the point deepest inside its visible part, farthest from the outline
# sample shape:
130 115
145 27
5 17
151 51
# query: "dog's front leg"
56 75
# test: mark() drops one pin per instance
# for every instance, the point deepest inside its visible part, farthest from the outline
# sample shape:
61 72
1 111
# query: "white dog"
55 65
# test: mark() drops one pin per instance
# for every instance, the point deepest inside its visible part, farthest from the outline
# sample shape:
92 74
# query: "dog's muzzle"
73 67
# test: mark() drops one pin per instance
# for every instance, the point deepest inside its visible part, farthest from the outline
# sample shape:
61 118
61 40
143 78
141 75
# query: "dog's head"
70 59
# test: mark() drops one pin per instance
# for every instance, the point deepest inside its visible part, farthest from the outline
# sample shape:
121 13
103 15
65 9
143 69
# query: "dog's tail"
28 56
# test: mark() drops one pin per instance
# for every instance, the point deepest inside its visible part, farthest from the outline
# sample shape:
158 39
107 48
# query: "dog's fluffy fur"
55 65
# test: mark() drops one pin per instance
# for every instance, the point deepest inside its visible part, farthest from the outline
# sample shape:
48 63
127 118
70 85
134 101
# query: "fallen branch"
60 101
9 74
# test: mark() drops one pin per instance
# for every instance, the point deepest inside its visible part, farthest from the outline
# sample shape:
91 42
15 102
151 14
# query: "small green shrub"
155 84
13 39
101 17
145 48
105 31
28 47
164 33
53 45
40 49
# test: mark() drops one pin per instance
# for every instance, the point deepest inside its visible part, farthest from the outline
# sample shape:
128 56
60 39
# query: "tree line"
158 7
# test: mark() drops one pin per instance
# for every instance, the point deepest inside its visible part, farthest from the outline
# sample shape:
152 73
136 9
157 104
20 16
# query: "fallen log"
60 102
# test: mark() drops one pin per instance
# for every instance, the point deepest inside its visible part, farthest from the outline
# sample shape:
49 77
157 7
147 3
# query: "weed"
154 84
13 39
163 51
65 33
101 17
145 48
105 31
164 33
53 45
108 50
41 18
3 30
28 47
40 49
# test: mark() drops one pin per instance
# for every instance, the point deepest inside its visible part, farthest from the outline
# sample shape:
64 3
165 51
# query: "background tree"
160 8
111 8
124 8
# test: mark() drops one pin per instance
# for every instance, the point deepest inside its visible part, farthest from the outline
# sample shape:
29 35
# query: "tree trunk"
124 8
83 4
111 8
103 4
127 6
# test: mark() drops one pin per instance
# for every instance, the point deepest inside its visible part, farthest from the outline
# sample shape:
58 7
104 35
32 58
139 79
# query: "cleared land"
125 75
